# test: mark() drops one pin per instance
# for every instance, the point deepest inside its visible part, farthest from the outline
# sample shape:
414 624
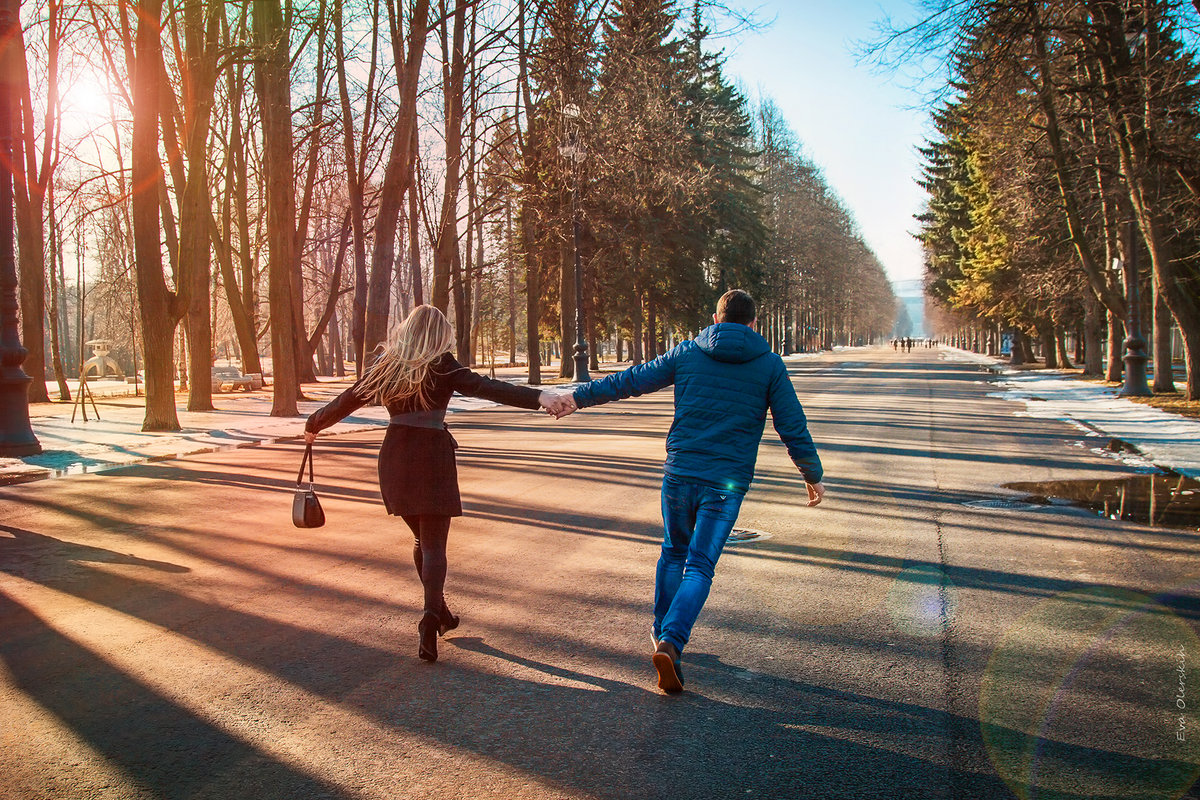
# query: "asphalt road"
166 633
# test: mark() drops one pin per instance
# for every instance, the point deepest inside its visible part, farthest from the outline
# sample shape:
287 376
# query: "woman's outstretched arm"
472 384
333 412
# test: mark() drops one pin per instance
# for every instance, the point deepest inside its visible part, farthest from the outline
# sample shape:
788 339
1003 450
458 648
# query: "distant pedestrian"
414 378
725 382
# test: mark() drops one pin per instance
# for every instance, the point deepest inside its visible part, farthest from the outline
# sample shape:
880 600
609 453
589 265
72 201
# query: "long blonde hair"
399 372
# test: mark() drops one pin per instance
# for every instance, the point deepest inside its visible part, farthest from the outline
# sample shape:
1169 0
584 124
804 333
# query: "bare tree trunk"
512 284
335 287
1164 376
1093 354
637 340
1046 333
462 309
31 257
529 179
56 291
397 176
304 343
243 324
446 251
323 366
1191 360
651 328
30 184
354 176
195 206
1060 342
336 349
477 293
566 306
1116 336
414 246
272 82
533 294
160 308
243 301
474 244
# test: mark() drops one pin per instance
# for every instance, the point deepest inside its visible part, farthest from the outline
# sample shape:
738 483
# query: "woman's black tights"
429 554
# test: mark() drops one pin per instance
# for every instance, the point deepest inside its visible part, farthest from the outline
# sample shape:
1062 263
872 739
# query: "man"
725 381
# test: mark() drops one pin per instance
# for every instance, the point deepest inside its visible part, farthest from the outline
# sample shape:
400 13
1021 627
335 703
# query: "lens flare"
921 601
1088 695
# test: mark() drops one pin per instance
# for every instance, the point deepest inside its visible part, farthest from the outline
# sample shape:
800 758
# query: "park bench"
235 379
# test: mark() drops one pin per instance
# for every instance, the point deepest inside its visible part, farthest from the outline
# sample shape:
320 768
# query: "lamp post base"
581 363
16 434
1135 384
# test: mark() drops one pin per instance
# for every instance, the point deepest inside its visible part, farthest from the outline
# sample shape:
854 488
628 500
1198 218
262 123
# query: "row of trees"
1070 143
289 176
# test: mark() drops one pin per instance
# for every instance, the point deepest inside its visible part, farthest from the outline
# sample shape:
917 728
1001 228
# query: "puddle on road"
1166 500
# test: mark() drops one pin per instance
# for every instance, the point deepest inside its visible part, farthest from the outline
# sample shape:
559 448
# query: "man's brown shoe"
666 663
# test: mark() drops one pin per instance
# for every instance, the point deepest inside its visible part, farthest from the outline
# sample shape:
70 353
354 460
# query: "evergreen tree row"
1063 198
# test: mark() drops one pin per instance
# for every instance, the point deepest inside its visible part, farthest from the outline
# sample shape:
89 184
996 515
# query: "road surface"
166 633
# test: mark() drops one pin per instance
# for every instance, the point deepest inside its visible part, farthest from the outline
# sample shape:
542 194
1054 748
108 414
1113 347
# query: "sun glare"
85 103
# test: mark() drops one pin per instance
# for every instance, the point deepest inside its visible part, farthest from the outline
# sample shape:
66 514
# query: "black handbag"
306 508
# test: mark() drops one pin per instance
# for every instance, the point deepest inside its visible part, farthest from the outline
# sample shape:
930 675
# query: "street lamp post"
16 434
574 151
1135 384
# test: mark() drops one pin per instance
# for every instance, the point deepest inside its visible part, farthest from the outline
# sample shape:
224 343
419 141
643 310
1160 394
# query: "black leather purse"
306 508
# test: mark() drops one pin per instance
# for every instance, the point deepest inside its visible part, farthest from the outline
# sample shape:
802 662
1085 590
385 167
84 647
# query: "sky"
860 125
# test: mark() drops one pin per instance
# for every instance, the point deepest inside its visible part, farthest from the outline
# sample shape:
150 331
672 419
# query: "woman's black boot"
428 628
446 620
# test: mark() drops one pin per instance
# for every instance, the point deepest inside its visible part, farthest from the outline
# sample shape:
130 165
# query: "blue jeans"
697 520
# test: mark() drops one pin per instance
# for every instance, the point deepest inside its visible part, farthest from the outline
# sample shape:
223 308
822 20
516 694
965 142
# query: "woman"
414 378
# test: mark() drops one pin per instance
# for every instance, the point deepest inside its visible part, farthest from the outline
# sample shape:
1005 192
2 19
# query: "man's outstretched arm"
632 382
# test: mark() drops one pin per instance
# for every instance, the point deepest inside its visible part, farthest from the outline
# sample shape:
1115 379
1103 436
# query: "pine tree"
641 170
726 231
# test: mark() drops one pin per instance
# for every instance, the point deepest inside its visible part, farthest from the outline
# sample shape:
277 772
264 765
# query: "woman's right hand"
557 405
309 437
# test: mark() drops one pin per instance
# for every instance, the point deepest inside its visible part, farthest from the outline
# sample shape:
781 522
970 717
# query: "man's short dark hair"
736 306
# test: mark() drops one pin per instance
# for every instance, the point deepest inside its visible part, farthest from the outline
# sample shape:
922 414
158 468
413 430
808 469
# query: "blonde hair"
399 372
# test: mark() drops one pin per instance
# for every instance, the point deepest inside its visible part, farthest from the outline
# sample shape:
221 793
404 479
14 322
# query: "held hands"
557 405
816 491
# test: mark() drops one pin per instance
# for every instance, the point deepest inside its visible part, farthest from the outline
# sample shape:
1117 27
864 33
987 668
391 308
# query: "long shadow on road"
161 746
746 734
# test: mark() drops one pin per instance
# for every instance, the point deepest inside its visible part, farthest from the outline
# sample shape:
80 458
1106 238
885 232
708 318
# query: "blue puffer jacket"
725 380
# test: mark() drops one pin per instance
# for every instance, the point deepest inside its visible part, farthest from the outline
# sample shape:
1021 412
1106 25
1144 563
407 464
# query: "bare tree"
397 177
161 308
275 105
32 175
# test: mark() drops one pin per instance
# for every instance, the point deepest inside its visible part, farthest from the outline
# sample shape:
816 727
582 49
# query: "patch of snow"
966 356
1164 439
802 356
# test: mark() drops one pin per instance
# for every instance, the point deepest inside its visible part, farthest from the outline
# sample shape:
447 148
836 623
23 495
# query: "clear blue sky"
858 125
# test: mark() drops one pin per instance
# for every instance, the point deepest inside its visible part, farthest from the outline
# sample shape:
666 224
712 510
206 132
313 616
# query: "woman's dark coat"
417 473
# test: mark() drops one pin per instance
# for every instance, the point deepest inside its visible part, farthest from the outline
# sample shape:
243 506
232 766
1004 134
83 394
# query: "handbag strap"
306 460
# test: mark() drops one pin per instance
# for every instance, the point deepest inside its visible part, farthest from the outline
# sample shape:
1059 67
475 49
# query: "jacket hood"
732 343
